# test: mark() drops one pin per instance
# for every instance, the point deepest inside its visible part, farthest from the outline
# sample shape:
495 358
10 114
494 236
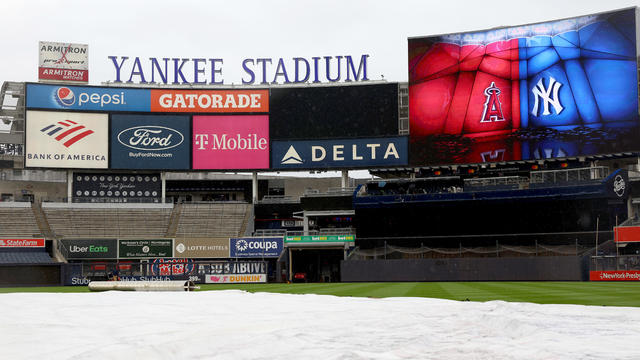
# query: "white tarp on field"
240 325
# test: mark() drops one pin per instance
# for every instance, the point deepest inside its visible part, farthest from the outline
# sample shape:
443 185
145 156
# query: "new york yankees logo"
492 107
548 95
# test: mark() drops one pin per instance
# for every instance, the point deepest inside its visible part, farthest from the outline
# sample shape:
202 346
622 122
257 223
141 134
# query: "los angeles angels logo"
492 107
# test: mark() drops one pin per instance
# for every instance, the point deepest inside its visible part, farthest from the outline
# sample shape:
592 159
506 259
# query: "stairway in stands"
174 220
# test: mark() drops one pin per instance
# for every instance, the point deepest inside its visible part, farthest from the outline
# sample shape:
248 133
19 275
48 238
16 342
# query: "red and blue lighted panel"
562 75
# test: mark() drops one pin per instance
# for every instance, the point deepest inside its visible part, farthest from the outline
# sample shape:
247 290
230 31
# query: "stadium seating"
17 220
218 219
23 257
108 220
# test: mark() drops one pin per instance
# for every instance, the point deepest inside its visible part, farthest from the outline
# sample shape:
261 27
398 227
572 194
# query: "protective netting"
391 251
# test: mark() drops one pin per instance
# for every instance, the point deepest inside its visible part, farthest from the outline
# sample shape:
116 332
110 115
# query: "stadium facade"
510 154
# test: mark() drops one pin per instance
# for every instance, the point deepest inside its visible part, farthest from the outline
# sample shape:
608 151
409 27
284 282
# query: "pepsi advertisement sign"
87 98
150 141
255 247
345 153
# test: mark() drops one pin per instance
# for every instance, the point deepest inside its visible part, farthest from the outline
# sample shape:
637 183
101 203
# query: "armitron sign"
63 62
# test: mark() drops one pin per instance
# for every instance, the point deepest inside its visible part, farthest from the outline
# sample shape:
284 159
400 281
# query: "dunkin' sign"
28 243
231 142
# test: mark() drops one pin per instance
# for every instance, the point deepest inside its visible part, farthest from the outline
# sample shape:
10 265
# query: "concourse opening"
316 264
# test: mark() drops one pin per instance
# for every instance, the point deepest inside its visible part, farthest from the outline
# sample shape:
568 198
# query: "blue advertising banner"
150 141
87 98
344 153
255 247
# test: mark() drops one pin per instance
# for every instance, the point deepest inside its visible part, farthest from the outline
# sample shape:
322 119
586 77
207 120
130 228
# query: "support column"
290 270
69 186
345 179
305 223
254 187
163 179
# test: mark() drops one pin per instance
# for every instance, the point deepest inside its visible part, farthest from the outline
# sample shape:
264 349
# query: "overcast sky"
236 30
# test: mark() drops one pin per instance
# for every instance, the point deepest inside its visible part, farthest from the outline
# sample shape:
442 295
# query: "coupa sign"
255 247
344 153
149 141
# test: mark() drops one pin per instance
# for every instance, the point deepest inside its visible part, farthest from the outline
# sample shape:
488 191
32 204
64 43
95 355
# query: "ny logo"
492 107
548 95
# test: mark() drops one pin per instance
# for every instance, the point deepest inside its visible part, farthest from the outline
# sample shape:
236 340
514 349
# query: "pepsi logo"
65 97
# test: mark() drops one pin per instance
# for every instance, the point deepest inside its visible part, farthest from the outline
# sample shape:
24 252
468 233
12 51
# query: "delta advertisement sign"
63 62
255 247
22 243
343 153
555 89
146 100
67 140
230 142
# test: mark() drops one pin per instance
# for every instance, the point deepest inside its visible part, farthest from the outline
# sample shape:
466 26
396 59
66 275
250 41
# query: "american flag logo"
67 131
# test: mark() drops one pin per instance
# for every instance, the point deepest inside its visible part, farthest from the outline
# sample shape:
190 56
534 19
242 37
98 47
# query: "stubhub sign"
87 98
343 153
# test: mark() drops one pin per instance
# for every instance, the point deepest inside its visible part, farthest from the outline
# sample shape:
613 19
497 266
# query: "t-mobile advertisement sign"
231 142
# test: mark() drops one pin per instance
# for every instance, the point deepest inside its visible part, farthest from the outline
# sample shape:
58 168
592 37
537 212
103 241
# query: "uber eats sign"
78 249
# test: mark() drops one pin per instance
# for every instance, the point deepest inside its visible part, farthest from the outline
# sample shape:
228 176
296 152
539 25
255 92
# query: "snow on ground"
240 325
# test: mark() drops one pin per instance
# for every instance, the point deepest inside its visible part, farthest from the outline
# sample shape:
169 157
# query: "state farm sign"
210 101
231 142
30 243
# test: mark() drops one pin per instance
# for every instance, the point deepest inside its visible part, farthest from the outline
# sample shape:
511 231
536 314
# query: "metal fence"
612 262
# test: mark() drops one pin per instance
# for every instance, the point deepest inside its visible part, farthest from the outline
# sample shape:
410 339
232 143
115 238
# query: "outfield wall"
541 268
31 275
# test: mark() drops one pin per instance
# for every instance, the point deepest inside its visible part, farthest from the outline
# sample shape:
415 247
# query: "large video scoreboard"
557 89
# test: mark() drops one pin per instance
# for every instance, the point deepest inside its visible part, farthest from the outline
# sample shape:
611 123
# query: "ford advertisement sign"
255 247
63 97
150 141
345 153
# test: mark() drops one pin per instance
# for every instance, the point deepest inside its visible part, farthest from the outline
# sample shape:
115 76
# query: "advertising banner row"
246 247
83 140
106 99
167 269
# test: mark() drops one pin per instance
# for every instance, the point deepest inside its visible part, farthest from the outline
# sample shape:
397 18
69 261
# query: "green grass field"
581 293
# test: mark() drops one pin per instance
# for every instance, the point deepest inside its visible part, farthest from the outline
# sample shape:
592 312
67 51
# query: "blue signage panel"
345 153
255 247
150 141
87 98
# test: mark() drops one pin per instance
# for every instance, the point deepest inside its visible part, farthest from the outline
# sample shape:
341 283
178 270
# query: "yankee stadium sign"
202 71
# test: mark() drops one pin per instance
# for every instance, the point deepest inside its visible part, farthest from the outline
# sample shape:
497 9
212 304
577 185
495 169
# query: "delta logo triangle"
291 157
